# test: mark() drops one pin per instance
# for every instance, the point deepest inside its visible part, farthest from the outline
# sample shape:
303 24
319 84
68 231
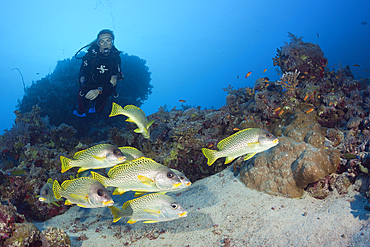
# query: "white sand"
222 211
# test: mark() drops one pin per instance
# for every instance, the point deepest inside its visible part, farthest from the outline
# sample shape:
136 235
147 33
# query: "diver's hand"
113 80
92 94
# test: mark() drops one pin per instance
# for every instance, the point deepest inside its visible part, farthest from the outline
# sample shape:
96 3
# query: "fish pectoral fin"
130 120
253 144
248 156
150 221
152 212
98 158
56 204
79 197
131 221
138 130
145 180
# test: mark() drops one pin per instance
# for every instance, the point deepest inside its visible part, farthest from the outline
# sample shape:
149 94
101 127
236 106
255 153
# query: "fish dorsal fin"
132 109
66 183
50 180
150 123
116 169
223 142
78 154
145 180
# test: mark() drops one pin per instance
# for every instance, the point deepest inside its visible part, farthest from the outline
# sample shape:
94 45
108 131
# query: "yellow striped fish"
135 115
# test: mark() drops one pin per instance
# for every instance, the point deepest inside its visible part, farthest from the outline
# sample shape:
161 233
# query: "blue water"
193 49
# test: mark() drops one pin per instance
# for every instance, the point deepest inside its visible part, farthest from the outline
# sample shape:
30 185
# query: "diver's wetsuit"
95 73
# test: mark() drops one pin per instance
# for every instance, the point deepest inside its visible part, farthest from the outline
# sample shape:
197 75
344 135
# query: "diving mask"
105 42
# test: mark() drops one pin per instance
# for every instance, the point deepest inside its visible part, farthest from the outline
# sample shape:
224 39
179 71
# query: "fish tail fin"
57 189
99 178
116 213
210 155
66 163
116 110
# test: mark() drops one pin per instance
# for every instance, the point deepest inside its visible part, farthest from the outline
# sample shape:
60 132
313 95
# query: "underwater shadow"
360 208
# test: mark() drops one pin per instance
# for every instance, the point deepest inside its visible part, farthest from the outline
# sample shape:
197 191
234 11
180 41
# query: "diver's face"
105 41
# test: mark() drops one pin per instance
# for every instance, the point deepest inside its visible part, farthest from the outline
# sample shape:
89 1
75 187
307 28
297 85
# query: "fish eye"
100 192
116 151
174 205
182 177
170 175
268 135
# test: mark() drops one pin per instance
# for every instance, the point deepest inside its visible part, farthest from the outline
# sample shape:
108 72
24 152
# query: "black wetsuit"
95 73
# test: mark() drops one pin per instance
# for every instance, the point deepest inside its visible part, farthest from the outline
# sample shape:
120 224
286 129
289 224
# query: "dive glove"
92 94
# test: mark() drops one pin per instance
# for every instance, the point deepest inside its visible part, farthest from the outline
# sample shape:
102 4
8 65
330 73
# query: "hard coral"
299 159
288 168
55 237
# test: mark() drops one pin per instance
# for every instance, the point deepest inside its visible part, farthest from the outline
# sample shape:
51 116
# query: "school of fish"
130 170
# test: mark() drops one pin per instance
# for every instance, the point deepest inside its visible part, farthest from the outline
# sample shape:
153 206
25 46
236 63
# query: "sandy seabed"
222 211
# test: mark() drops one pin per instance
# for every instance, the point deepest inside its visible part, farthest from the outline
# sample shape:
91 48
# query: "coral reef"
54 237
298 160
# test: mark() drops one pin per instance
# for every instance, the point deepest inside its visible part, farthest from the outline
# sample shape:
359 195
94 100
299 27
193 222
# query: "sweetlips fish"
95 157
86 192
185 182
141 175
151 208
131 153
135 115
47 194
248 141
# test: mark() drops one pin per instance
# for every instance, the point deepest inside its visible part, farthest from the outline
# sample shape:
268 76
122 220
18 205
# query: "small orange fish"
264 70
310 110
330 103
277 109
236 129
281 112
210 145
312 96
305 97
302 76
181 100
313 76
305 73
228 116
248 74
267 84
356 65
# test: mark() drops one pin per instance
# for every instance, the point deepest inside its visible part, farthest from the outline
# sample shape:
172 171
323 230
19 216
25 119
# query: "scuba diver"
100 70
